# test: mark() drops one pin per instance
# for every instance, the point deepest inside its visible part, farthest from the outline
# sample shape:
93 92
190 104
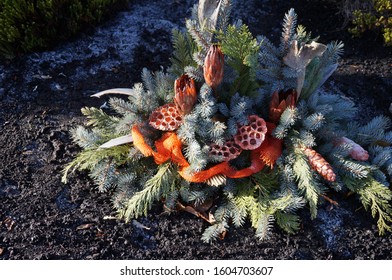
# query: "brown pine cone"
319 164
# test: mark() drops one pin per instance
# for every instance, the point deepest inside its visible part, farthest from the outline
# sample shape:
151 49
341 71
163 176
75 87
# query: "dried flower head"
280 101
185 94
356 152
250 137
299 58
166 118
230 150
213 66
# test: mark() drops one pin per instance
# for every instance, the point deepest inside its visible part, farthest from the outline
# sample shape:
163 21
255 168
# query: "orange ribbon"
169 147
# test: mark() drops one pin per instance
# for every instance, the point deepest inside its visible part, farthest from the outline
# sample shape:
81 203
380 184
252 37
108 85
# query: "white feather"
125 91
117 141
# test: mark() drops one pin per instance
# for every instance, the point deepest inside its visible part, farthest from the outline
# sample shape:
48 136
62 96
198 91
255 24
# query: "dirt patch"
40 100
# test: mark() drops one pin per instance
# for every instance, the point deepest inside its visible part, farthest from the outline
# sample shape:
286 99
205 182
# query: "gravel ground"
41 95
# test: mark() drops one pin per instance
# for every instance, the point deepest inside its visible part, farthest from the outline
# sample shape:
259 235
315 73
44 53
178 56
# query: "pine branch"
289 26
290 223
287 120
197 35
238 213
104 175
156 187
224 15
121 106
302 36
98 118
375 197
182 56
214 232
264 226
85 138
90 158
306 182
241 50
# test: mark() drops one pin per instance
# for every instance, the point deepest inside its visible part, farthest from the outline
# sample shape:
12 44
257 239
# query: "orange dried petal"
270 150
202 176
139 143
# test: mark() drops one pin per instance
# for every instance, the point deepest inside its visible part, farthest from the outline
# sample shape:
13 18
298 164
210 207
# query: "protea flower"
280 101
356 152
213 66
185 94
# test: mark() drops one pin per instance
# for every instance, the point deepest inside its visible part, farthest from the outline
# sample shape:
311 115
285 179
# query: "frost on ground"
110 45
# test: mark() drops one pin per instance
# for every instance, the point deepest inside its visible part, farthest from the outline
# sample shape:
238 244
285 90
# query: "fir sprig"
375 197
161 184
241 50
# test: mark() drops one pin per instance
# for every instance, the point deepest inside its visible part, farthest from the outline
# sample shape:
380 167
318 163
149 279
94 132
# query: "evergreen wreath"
246 132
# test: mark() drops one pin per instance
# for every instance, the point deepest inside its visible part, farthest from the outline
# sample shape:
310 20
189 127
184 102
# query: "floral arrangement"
247 131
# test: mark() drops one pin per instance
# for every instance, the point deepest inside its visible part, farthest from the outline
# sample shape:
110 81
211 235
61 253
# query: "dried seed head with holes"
166 118
228 151
250 137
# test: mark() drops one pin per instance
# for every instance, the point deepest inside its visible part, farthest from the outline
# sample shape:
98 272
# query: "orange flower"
280 101
213 66
185 94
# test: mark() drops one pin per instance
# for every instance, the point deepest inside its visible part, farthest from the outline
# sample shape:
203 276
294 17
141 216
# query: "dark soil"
41 218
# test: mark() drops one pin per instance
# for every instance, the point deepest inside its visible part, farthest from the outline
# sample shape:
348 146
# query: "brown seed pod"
166 118
250 137
228 151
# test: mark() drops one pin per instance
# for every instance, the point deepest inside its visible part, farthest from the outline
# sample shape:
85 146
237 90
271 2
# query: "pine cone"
319 164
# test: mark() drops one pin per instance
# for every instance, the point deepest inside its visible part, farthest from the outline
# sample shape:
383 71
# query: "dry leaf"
200 214
100 233
1 251
205 206
298 59
109 218
117 142
208 13
223 235
125 91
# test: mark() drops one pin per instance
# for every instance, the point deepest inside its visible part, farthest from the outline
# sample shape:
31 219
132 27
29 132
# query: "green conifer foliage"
314 148
377 16
34 25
